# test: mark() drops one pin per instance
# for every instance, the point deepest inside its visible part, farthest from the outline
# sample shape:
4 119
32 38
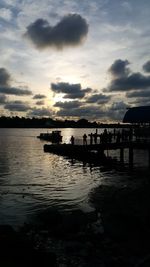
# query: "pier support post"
121 154
131 156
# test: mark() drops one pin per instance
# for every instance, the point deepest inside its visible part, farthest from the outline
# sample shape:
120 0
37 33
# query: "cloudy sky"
72 59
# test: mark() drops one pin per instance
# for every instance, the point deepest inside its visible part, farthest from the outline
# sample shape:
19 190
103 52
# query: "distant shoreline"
62 127
17 122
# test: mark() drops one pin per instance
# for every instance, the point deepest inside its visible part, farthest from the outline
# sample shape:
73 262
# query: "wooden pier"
96 152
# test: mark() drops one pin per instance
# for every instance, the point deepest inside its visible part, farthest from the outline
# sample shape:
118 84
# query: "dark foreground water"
31 180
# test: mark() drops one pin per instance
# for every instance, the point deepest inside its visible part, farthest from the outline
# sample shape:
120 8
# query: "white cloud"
5 14
10 2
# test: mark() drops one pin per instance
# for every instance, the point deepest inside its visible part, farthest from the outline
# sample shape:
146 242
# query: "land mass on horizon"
22 122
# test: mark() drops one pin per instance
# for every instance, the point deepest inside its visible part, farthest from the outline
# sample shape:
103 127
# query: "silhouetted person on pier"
105 136
95 138
91 138
84 139
72 140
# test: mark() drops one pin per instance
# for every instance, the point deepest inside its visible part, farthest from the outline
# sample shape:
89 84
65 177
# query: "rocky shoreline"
115 234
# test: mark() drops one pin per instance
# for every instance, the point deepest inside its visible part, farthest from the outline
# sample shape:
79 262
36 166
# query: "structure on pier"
140 115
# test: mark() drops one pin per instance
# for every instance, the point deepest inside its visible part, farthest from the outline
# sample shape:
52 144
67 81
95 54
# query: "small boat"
54 136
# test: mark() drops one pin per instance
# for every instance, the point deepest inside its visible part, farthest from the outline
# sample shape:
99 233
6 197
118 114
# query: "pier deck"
95 152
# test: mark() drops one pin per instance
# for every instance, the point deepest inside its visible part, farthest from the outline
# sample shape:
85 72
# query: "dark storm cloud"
135 81
146 66
85 111
119 68
124 80
139 94
65 88
77 109
39 96
14 91
17 106
68 105
6 88
98 98
140 102
4 77
39 103
76 95
37 112
69 31
71 91
3 99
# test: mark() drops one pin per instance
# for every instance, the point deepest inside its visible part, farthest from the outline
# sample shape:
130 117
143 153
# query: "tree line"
22 122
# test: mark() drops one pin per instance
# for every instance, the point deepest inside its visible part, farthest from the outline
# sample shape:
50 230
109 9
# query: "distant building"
138 115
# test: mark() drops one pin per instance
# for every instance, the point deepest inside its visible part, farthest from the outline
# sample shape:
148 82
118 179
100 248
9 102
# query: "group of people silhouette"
72 139
106 137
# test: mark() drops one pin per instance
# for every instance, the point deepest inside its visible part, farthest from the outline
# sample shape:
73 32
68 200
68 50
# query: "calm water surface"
31 180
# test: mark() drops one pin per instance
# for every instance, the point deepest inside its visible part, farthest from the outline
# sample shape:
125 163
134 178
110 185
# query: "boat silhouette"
54 136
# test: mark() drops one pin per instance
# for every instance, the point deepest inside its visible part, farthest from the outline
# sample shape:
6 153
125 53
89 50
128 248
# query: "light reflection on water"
31 180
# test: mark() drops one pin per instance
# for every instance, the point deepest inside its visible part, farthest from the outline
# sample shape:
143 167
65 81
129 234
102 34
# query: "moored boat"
54 136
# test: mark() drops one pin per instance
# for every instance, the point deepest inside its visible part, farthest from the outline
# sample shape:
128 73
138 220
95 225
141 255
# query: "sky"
73 59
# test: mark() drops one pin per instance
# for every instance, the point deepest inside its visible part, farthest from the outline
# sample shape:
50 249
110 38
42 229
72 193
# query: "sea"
32 180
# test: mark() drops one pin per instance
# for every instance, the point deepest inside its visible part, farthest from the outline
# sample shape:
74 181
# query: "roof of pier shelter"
137 115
